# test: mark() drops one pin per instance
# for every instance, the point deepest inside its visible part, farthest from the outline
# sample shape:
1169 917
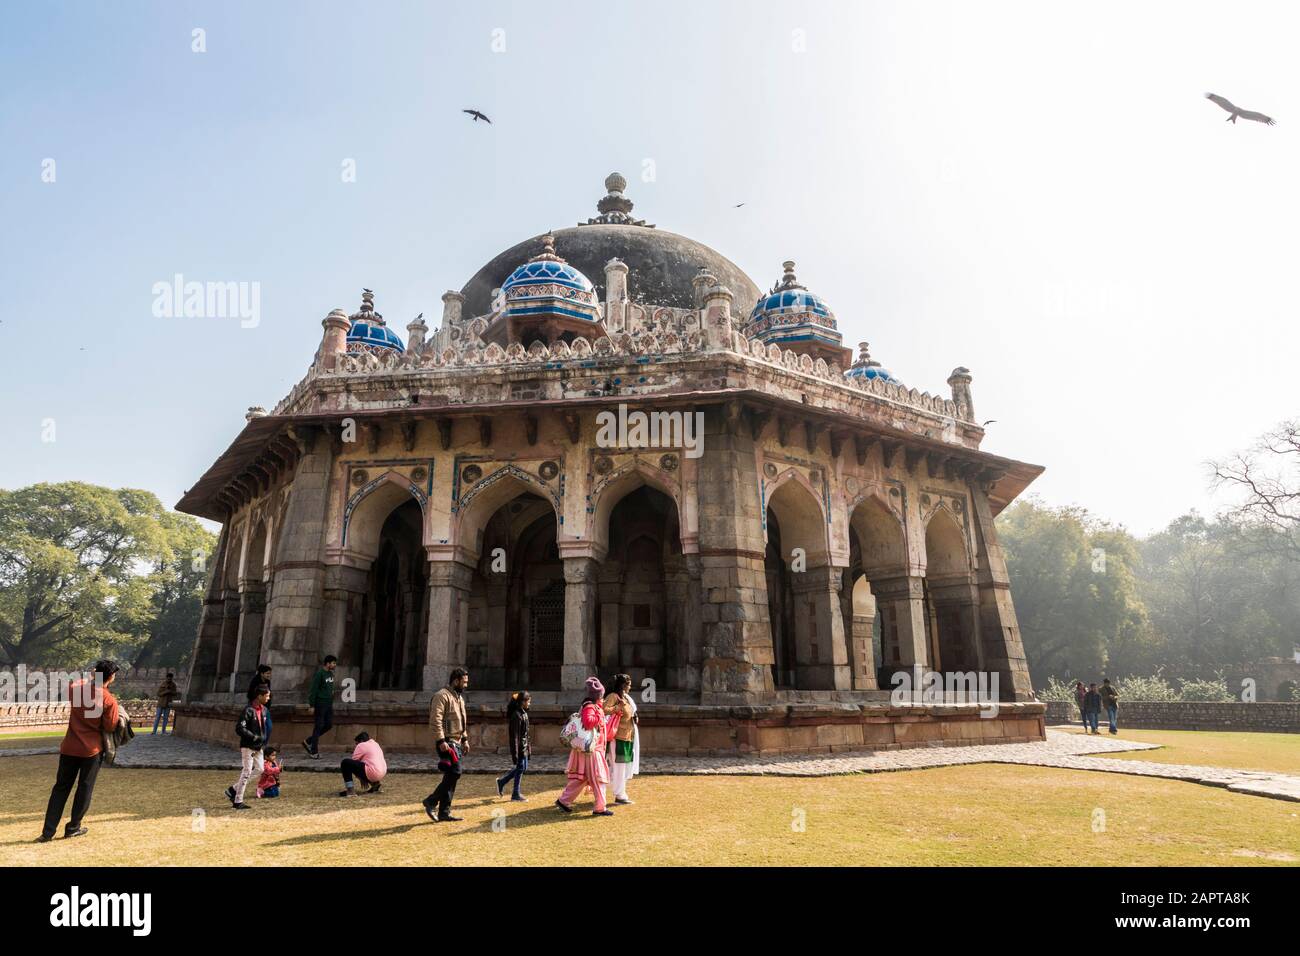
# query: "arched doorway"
516 603
886 602
951 596
388 634
809 649
642 589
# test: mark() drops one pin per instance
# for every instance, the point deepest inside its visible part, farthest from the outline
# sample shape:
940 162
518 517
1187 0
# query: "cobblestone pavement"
1062 750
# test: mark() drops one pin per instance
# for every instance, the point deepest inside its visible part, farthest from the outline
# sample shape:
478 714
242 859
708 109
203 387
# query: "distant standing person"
168 693
263 676
1091 709
450 729
1080 692
320 698
1110 698
624 754
251 728
521 747
366 764
93 711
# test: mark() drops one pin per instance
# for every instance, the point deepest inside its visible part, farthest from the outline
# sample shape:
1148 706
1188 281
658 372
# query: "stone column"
226 658
252 610
903 600
293 616
207 643
497 600
334 341
449 587
821 651
858 626
343 585
615 295
999 631
581 576
736 641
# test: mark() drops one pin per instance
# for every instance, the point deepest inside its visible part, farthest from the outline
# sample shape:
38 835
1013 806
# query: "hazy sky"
1037 191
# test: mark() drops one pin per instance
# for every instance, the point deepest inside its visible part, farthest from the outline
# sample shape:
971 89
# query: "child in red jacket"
268 784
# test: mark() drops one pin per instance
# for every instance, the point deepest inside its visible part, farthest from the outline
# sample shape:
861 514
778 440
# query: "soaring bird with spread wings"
1238 111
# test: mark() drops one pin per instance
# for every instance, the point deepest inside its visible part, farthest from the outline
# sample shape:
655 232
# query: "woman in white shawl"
624 755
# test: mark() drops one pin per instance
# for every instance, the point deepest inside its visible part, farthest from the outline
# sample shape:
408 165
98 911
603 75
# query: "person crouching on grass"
367 764
268 784
251 728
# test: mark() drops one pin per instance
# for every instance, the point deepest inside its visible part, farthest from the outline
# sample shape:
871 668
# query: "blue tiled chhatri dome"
867 367
368 332
790 314
547 285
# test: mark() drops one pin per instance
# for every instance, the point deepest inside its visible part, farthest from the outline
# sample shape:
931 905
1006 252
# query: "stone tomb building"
614 454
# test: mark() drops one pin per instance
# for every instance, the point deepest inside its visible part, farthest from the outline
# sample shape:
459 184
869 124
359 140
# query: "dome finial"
614 207
864 353
367 300
548 253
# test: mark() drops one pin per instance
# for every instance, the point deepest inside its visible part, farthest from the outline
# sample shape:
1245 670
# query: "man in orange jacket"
94 711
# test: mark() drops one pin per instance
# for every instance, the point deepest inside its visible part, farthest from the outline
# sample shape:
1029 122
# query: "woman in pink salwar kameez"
589 769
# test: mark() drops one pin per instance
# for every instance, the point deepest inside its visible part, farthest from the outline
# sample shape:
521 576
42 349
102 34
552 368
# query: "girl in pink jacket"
366 764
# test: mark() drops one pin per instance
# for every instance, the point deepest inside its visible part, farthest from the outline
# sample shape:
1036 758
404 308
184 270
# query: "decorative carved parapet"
653 331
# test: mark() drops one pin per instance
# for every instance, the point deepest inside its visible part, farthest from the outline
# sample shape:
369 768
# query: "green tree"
80 570
1074 588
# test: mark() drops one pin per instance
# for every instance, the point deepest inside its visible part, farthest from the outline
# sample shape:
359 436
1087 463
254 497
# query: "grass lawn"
1211 748
970 815
22 741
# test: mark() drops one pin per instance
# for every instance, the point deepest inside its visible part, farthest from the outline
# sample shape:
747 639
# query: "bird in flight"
478 116
738 205
991 421
1236 111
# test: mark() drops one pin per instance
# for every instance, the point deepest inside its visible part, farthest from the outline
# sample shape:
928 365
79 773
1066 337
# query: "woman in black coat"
520 746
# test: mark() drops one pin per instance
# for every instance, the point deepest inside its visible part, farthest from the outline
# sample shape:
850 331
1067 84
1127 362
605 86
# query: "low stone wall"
1188 715
35 717
665 729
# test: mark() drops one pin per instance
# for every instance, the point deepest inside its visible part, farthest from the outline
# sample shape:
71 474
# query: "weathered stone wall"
668 729
1184 715
47 716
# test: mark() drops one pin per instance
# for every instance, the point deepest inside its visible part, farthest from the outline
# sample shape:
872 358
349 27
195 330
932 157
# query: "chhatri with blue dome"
368 333
545 298
794 318
868 368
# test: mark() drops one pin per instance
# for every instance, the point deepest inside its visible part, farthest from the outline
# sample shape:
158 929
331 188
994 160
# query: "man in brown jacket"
451 735
94 711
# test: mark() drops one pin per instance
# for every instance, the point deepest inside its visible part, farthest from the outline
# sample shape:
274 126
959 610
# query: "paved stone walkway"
1063 750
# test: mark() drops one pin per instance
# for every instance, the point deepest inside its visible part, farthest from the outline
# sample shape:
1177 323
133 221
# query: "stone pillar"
292 643
858 626
335 340
252 611
226 659
903 601
207 643
615 296
343 586
581 576
717 318
735 641
999 631
959 381
821 651
449 587
415 332
497 601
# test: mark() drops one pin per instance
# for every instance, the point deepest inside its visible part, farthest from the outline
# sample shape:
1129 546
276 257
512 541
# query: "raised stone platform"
802 727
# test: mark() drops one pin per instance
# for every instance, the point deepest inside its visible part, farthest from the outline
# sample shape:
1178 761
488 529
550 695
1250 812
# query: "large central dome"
660 264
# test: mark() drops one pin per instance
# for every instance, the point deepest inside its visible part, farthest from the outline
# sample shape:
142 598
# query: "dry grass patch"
1279 753
967 815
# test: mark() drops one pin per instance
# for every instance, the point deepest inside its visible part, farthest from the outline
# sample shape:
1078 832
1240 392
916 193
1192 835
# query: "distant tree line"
1199 597
87 572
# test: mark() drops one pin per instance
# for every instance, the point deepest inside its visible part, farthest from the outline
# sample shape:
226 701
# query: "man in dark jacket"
521 748
1110 700
1079 693
1091 708
263 676
251 728
168 693
320 698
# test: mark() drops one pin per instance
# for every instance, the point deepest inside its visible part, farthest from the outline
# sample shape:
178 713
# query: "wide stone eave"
258 433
